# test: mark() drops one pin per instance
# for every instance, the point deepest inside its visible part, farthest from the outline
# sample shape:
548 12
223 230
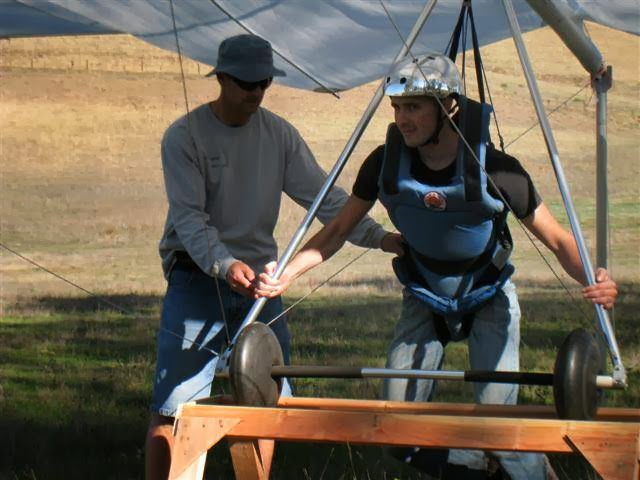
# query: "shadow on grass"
128 304
76 379
549 314
375 284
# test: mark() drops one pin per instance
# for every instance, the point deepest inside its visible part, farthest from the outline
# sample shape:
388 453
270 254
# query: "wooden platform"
611 443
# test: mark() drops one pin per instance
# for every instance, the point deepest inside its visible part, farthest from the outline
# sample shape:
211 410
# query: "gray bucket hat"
247 57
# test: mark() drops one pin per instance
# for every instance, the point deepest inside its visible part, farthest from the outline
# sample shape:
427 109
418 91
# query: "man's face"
244 97
416 117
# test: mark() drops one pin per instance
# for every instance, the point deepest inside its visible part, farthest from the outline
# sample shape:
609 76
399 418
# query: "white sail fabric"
336 43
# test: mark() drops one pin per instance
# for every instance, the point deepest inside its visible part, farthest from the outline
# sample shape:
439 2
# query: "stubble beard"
250 106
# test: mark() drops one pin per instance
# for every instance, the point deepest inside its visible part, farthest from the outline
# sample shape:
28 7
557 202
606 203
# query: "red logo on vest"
435 201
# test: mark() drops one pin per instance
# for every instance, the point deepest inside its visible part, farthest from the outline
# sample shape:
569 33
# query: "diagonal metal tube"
337 168
571 33
619 373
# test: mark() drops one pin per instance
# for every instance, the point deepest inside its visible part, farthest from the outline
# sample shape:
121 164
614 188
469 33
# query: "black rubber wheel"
574 377
255 352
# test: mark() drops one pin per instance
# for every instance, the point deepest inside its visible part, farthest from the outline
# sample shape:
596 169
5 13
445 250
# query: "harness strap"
467 10
460 267
391 162
442 330
474 125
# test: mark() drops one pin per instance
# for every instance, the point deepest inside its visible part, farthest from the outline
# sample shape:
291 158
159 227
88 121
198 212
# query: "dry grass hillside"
81 185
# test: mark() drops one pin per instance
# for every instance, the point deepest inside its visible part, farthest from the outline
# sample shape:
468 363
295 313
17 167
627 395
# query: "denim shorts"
193 332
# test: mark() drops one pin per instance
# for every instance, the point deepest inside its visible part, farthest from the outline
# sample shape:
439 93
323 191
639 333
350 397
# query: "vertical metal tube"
602 84
337 168
605 326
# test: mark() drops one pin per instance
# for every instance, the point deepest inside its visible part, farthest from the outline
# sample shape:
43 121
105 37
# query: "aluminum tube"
570 32
607 381
312 371
603 320
337 168
522 378
602 84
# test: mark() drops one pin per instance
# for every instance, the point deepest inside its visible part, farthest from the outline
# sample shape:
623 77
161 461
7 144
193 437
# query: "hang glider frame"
587 53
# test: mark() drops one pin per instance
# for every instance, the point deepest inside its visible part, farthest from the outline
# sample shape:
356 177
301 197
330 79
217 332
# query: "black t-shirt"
509 176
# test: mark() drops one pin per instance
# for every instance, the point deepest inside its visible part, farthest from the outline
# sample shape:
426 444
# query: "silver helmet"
433 75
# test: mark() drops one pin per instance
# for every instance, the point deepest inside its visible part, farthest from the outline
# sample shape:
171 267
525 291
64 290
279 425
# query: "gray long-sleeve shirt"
224 186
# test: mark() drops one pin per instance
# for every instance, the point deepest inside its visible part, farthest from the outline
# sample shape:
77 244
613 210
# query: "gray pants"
493 340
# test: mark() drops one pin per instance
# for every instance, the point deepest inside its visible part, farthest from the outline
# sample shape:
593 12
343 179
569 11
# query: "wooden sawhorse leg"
252 458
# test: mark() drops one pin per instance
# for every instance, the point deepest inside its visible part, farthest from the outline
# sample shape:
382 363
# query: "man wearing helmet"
448 192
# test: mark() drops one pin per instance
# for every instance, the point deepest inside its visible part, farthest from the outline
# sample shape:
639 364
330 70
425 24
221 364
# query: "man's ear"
451 105
448 103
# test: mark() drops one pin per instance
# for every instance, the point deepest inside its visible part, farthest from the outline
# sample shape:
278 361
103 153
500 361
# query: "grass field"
81 193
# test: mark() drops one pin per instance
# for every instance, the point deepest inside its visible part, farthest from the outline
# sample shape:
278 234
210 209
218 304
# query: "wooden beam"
247 463
267 448
611 446
252 459
389 428
612 457
467 409
193 437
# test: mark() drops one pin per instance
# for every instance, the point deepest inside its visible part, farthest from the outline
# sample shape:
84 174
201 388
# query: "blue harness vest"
457 237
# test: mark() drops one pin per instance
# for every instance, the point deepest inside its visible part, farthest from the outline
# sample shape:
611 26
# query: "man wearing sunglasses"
225 167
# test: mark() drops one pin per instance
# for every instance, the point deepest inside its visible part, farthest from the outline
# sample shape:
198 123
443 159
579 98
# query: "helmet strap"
435 136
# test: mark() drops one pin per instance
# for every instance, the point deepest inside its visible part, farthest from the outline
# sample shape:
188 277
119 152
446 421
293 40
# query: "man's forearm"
320 248
569 257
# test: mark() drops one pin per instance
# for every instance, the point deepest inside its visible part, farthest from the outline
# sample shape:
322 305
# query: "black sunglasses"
251 86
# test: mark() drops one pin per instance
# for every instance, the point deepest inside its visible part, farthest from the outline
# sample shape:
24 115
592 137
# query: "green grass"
76 380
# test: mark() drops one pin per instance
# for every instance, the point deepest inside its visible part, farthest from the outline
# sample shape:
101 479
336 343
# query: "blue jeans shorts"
193 333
